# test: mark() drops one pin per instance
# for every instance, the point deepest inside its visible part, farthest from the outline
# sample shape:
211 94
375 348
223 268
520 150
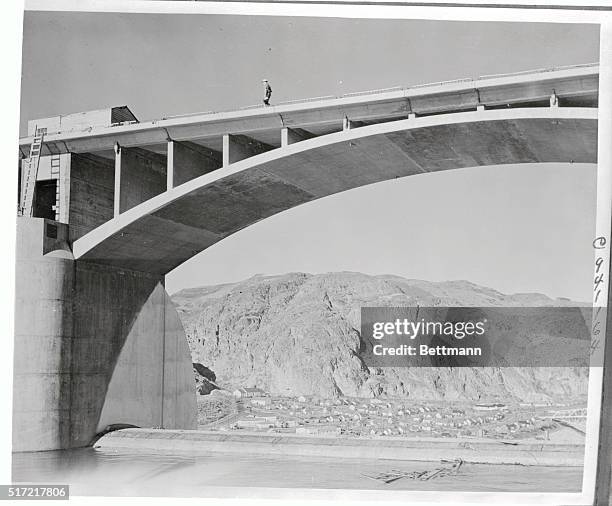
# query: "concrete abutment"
94 346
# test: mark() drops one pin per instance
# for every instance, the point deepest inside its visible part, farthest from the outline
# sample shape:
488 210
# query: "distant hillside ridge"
299 334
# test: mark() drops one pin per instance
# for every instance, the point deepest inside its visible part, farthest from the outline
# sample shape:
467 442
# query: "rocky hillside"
298 334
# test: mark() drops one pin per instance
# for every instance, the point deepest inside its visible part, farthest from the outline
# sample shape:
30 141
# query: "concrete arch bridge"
118 203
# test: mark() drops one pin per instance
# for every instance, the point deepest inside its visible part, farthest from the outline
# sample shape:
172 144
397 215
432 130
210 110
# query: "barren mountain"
299 334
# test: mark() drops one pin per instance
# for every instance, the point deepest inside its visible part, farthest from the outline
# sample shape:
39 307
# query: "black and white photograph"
311 251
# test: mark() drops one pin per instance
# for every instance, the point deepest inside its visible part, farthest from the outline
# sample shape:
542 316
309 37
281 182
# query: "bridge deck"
576 86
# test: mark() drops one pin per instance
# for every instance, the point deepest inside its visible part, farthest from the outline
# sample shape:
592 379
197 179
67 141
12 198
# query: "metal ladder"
27 199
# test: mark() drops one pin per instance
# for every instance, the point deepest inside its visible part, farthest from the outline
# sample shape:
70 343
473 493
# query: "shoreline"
527 453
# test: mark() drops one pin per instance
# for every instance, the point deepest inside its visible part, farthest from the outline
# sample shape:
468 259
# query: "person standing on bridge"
268 92
554 99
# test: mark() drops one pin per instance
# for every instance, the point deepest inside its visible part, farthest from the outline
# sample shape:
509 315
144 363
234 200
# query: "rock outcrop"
299 334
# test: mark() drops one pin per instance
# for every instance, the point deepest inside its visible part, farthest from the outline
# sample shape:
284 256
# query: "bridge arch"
161 233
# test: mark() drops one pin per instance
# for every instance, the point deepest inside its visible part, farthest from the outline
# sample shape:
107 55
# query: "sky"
514 228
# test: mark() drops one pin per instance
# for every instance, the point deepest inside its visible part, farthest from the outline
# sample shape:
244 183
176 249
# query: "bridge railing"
382 90
397 88
541 71
306 100
187 115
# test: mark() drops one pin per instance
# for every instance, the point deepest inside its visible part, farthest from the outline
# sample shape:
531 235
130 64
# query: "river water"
119 472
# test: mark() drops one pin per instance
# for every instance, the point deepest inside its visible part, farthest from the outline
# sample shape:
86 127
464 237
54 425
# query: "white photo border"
505 11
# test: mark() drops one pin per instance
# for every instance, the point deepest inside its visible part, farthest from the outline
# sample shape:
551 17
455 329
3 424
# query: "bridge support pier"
94 346
44 280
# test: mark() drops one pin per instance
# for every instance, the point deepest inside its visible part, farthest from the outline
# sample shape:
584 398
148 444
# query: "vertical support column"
188 160
170 166
226 150
293 135
284 137
117 194
348 124
139 176
64 188
239 147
